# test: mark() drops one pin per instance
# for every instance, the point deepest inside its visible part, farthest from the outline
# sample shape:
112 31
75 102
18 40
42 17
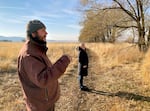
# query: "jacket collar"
80 49
39 45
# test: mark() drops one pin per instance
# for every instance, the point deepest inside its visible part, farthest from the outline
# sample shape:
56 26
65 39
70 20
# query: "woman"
83 65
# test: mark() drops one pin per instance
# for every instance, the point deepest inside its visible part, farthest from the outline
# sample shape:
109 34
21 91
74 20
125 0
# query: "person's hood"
80 49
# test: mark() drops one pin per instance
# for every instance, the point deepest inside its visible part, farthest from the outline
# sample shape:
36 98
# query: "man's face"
41 34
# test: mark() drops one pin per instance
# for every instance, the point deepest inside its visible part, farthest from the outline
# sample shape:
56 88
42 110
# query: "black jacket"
83 60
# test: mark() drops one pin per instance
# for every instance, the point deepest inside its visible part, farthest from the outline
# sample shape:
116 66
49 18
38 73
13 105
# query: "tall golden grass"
107 54
8 56
102 56
112 55
145 68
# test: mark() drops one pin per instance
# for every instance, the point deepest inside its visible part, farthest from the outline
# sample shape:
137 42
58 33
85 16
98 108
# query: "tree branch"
132 8
119 26
126 11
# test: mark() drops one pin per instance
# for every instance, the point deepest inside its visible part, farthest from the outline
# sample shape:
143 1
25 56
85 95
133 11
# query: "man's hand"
69 57
85 66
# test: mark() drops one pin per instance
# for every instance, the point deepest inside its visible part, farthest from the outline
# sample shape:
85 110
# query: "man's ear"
33 34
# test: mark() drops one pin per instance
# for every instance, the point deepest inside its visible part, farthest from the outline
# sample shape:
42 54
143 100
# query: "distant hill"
20 39
12 39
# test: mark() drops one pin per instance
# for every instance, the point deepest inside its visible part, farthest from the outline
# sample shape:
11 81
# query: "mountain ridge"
11 39
21 39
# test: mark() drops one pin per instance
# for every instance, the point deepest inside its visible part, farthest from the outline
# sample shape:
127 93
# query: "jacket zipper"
46 94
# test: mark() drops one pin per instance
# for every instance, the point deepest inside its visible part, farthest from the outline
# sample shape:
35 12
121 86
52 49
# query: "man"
83 65
38 76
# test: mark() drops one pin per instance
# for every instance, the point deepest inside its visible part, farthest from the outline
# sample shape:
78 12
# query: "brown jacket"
39 77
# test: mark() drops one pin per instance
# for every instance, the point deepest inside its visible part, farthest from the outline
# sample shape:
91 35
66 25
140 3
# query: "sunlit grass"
111 54
102 56
145 69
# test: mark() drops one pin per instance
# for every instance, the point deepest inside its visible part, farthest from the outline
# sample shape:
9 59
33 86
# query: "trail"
116 88
111 89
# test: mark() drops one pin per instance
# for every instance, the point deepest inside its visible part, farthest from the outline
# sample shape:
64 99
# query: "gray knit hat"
34 25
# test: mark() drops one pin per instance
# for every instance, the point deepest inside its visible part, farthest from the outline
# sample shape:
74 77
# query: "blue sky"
60 17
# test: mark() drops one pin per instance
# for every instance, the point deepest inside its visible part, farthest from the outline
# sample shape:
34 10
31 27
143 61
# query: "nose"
46 32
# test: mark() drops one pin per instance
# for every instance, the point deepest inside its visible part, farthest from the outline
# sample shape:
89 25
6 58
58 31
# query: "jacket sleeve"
40 74
81 58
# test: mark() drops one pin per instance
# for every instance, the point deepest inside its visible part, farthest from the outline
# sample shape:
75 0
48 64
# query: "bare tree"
98 25
137 10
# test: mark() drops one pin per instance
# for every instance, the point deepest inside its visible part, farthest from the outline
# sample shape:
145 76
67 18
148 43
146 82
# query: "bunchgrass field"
118 79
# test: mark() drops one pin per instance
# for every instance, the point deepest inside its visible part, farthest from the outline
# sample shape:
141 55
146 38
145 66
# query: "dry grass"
145 69
8 56
114 78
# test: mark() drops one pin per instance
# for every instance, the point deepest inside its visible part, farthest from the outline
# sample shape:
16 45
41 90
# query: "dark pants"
52 108
81 81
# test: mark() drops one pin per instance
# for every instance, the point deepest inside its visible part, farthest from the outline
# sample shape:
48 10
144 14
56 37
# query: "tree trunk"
113 36
141 39
141 42
103 38
148 38
133 35
141 27
108 34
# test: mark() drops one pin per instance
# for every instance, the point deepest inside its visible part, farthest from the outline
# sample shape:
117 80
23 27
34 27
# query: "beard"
38 40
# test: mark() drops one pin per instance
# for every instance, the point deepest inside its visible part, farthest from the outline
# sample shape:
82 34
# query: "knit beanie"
34 25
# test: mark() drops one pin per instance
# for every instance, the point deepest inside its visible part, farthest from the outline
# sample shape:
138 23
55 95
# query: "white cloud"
66 36
7 7
46 14
30 17
70 12
67 11
74 26
42 18
14 21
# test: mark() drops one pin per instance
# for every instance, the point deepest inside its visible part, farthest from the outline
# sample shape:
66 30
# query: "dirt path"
111 89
